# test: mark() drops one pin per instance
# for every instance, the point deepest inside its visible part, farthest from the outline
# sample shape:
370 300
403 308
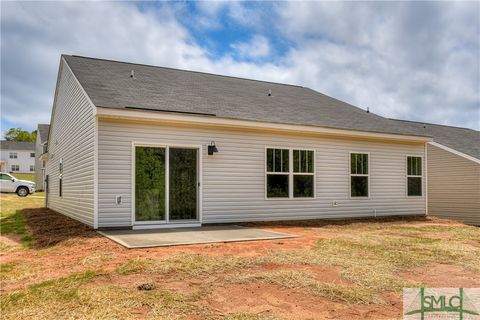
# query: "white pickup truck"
9 183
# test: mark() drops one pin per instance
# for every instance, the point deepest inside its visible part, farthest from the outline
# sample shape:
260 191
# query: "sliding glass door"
183 184
166 184
150 184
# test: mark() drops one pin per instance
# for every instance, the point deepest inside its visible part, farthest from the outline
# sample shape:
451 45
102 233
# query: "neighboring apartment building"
40 159
17 156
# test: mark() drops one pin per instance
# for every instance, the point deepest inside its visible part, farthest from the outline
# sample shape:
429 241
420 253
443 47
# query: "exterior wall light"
212 148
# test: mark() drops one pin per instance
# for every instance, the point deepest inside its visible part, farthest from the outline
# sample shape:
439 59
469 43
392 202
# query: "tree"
17 134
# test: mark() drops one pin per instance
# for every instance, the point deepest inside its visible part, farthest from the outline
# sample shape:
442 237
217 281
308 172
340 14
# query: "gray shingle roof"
108 84
42 132
461 139
17 145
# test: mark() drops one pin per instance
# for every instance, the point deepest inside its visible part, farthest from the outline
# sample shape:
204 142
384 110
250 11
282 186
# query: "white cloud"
416 61
257 47
409 60
35 34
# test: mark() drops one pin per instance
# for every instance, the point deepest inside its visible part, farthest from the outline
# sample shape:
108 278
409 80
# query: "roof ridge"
184 70
433 124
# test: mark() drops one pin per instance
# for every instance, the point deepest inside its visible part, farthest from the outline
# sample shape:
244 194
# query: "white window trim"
350 175
290 173
13 155
414 176
16 166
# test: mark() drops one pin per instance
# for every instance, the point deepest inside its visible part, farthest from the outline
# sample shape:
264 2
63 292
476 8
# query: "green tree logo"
419 304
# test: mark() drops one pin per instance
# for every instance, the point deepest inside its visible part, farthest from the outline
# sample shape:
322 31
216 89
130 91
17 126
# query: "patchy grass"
54 278
38 299
137 265
12 221
10 203
51 300
14 271
305 280
372 260
439 231
247 316
97 258
190 264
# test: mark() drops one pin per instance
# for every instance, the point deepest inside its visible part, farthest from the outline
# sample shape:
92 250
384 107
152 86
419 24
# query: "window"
15 167
414 176
303 174
278 172
5 177
359 175
13 155
290 173
32 154
32 168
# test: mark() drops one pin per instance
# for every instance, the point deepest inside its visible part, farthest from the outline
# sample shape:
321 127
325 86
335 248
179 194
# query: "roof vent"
132 74
269 92
368 110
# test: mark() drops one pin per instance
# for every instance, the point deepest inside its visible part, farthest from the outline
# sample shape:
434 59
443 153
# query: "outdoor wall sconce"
212 148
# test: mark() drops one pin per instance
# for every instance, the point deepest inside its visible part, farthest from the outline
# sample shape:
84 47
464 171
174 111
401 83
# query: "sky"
409 60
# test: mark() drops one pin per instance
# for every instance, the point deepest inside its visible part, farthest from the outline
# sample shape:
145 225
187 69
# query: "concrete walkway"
183 236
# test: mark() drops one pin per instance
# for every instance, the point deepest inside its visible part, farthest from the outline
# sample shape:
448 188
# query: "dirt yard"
53 267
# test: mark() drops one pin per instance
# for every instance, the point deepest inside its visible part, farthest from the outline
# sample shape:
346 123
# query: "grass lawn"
12 222
353 270
24 176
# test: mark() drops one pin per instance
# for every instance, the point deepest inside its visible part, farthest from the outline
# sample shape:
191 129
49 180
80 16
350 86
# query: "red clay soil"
69 247
269 299
444 276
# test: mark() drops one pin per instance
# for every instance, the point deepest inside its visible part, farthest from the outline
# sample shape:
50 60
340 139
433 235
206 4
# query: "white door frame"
166 223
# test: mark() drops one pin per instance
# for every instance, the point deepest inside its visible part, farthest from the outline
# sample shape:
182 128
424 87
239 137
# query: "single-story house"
453 162
40 159
17 156
138 146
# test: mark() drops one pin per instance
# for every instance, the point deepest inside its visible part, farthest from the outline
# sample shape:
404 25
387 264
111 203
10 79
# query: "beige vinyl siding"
453 186
72 137
234 178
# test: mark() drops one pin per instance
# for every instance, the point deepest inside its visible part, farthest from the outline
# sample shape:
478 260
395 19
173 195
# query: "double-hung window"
359 175
278 173
303 173
15 167
13 155
290 173
414 176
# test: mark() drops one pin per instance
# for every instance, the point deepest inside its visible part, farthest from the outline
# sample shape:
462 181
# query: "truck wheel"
22 191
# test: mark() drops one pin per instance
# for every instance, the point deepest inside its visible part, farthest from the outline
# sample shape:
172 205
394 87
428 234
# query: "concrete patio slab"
185 236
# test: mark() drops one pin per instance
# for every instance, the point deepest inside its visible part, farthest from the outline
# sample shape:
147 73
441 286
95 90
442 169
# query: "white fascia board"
458 153
225 122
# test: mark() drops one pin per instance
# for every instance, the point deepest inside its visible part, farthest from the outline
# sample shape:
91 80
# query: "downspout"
426 179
